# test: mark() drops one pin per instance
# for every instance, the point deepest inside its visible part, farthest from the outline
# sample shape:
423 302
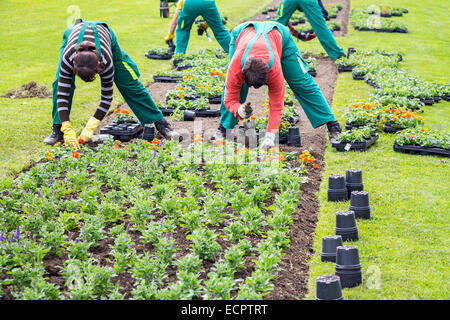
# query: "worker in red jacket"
265 53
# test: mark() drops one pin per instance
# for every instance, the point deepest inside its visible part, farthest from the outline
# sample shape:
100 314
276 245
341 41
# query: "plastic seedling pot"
346 226
328 288
149 132
294 138
189 115
348 267
353 181
350 51
337 191
359 203
329 247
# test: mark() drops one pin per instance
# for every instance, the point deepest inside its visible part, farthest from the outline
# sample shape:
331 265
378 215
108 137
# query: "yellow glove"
170 36
88 131
70 136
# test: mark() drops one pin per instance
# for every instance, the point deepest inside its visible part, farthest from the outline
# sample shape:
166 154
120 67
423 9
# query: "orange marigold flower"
315 165
424 130
125 111
81 141
116 111
116 146
117 142
155 141
75 154
253 117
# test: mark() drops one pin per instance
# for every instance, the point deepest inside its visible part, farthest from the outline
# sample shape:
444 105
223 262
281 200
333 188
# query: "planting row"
148 221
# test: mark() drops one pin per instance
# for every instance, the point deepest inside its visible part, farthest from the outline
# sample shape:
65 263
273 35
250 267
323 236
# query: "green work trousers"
126 78
208 10
313 13
295 71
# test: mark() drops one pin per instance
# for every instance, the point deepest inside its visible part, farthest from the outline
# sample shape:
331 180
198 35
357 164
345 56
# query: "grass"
404 247
30 37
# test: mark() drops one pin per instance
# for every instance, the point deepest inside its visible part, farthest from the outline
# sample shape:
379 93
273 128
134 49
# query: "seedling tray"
414 149
213 100
207 113
167 79
345 69
167 56
391 129
357 77
356 146
124 131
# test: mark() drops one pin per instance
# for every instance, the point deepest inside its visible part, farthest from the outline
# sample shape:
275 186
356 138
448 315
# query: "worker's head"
256 72
85 63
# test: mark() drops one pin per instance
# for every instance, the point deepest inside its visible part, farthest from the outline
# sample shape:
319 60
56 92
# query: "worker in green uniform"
314 13
265 53
88 49
186 13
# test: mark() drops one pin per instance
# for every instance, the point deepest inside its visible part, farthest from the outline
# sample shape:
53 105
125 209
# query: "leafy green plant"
204 243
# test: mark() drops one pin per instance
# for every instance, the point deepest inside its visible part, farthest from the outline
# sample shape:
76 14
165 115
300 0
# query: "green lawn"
30 37
404 247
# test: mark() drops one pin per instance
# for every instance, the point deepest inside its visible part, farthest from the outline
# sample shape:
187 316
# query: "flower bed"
146 221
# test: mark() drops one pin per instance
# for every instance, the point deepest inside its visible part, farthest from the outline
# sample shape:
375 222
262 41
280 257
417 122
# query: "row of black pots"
348 274
340 188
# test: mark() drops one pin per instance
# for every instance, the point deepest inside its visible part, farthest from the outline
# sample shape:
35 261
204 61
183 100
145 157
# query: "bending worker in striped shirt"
88 49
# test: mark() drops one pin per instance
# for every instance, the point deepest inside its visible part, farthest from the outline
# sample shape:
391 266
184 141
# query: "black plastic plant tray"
207 113
425 151
215 100
349 126
345 69
357 77
167 56
184 68
167 79
123 131
357 146
391 129
428 102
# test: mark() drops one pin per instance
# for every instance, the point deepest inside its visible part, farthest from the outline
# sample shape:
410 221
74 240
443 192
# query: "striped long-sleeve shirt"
66 71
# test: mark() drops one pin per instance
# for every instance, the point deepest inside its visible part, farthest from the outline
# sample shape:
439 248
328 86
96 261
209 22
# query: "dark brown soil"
29 90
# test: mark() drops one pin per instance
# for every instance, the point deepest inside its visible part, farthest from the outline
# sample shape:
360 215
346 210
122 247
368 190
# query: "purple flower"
154 153
39 193
12 237
51 182
18 233
1 237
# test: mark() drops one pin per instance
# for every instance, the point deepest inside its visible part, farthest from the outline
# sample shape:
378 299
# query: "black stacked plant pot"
353 181
359 203
329 247
294 138
149 132
329 288
337 190
346 226
189 115
348 267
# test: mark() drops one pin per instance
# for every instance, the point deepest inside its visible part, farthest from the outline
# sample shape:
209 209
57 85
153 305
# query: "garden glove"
170 36
70 136
268 142
88 131
245 111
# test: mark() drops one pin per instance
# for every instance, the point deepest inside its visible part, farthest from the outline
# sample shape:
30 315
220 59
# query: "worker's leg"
55 115
214 21
306 91
227 119
126 78
185 21
286 10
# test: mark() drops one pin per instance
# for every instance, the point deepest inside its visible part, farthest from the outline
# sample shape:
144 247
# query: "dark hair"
256 72
85 63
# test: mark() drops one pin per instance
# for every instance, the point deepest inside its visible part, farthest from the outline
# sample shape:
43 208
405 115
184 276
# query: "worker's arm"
173 23
275 82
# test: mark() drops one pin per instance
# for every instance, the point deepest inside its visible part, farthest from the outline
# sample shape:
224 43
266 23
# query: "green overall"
208 10
126 76
295 71
313 13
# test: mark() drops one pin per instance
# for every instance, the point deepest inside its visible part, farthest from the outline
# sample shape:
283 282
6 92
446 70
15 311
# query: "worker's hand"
245 111
70 136
268 142
170 36
88 131
204 26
